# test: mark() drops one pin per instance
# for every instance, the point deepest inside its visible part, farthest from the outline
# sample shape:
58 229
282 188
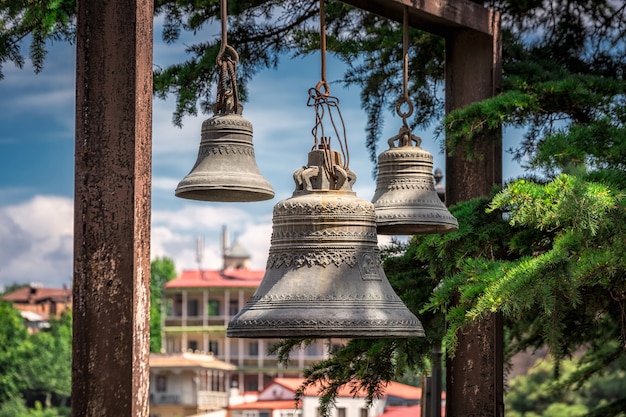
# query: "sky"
37 118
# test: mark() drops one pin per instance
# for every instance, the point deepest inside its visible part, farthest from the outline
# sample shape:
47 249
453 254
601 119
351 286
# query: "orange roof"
411 411
30 294
266 405
231 278
188 360
395 389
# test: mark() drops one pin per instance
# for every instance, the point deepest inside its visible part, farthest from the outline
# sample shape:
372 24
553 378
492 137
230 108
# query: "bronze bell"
405 200
324 276
225 169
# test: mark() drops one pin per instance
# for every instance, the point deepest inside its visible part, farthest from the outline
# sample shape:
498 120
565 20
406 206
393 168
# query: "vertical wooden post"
110 371
474 377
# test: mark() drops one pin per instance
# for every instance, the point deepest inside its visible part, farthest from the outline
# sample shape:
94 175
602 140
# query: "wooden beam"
439 17
110 346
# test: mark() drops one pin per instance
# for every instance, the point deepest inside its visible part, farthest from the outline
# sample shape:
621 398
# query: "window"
233 307
341 412
264 414
253 348
161 383
192 345
311 350
192 308
169 307
363 412
213 347
213 308
251 384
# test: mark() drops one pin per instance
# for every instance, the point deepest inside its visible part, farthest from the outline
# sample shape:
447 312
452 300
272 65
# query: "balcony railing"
212 400
158 399
211 321
206 400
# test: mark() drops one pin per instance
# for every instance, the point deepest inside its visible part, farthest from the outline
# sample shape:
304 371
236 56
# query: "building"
198 305
38 304
187 384
277 400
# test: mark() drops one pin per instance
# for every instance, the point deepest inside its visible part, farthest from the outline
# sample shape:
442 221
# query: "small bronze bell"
225 169
324 276
405 199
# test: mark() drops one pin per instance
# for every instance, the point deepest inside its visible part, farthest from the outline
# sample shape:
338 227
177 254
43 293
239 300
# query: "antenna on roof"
199 251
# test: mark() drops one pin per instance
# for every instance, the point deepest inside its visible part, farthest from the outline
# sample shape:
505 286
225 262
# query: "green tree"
34 369
13 338
42 21
541 392
162 270
46 366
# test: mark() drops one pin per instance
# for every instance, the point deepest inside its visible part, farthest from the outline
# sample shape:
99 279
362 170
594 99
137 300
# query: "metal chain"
324 104
227 100
323 83
405 71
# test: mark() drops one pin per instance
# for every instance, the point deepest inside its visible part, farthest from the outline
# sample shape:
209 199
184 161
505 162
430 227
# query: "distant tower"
235 256
439 187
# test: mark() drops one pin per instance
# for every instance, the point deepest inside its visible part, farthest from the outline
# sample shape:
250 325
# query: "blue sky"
37 165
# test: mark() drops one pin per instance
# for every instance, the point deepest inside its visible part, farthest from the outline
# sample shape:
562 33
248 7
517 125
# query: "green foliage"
162 270
541 393
13 336
42 20
17 408
34 367
45 367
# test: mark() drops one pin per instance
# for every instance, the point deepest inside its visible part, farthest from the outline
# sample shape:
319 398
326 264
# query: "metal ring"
320 85
404 100
231 51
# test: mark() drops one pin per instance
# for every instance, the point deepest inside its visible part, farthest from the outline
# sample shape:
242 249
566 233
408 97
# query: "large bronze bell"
225 169
324 276
405 200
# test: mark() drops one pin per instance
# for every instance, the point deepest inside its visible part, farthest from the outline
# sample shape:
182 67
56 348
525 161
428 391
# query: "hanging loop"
326 105
227 52
322 85
405 99
227 100
404 114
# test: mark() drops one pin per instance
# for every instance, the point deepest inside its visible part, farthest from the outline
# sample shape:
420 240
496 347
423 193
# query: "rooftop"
228 278
36 294
188 360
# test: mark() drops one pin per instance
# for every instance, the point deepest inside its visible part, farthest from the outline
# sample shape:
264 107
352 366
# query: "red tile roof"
395 389
228 278
188 360
266 405
34 295
411 411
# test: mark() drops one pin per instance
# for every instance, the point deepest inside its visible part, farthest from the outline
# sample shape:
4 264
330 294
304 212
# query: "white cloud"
174 233
36 238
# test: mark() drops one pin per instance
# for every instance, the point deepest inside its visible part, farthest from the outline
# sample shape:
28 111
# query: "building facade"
38 304
277 400
198 305
186 384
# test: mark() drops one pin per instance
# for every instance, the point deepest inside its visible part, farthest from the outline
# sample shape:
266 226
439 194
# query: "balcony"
160 399
206 323
206 400
212 400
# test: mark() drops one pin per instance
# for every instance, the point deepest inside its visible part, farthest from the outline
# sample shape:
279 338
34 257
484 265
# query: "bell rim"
378 329
224 194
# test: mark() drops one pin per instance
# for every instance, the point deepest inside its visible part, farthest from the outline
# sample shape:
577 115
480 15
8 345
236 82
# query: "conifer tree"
547 250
